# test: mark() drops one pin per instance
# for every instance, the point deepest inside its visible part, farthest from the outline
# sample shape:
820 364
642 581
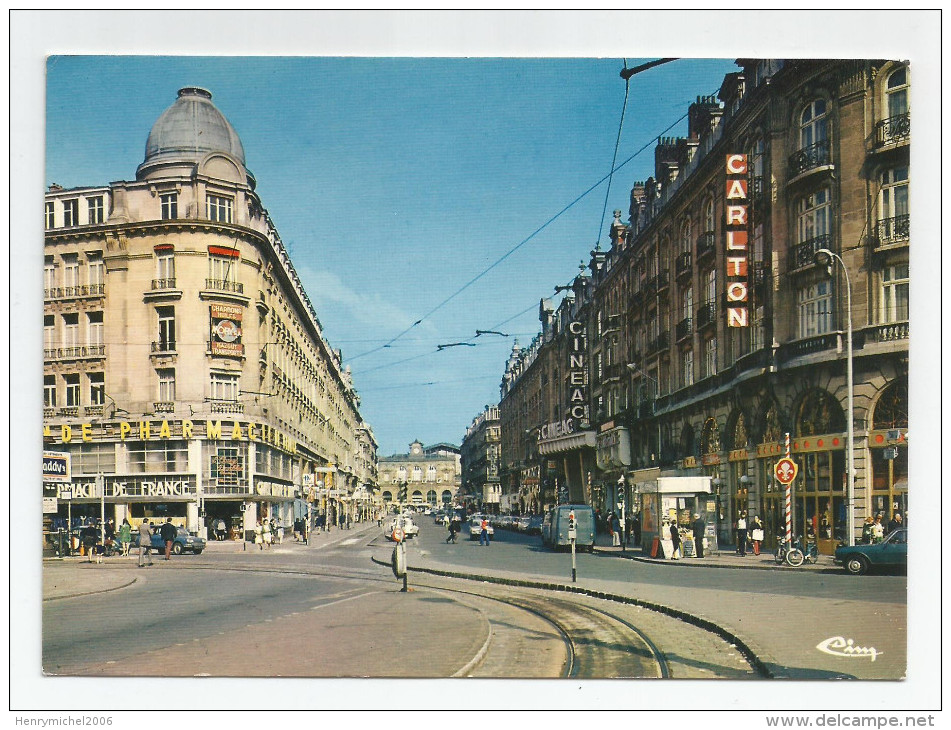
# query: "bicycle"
791 555
810 551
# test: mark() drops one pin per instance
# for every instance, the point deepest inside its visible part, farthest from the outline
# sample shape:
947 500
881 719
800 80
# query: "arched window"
740 436
896 92
813 124
709 217
891 411
687 441
686 245
819 413
711 437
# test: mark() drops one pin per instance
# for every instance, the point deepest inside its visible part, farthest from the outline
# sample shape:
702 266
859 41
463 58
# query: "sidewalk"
723 558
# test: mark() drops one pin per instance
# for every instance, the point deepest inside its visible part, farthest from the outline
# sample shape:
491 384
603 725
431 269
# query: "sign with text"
226 330
56 466
737 237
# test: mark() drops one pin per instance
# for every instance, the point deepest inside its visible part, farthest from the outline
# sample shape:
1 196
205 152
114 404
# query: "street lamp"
825 257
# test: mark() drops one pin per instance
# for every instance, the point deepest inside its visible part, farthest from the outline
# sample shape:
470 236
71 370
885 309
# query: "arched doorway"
820 498
888 450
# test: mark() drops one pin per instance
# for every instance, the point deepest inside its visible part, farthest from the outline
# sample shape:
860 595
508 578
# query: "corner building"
714 331
183 359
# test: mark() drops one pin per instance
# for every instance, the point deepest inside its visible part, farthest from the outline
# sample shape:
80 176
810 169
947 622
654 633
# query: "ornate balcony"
684 264
809 158
706 314
163 407
164 346
163 284
225 285
892 231
74 292
78 352
804 254
893 130
226 406
661 342
890 332
684 329
706 244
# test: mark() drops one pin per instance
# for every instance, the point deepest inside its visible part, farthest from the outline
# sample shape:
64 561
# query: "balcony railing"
892 230
809 158
890 332
706 314
71 411
808 346
684 328
804 254
226 406
163 284
893 130
684 264
164 346
74 292
76 352
706 244
225 285
661 342
163 407
96 410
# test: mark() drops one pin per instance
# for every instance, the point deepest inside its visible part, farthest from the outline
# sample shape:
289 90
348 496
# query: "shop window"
227 466
158 457
93 459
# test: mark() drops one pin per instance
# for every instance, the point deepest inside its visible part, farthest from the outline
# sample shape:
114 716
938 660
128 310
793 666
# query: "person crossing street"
168 533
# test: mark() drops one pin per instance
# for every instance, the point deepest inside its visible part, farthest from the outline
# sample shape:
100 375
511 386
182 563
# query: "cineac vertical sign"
737 239
577 374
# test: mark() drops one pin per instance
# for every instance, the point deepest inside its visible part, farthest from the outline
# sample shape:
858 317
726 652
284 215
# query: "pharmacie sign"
187 430
130 487
737 239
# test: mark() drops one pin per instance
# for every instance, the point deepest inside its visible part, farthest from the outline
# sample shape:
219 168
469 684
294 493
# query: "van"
555 526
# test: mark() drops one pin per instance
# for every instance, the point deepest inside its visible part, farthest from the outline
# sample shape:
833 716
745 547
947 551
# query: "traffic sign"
786 470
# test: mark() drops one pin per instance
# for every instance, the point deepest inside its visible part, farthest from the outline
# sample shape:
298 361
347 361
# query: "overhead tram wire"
617 143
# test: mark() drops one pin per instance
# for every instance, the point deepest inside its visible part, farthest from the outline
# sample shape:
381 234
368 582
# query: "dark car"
184 541
892 552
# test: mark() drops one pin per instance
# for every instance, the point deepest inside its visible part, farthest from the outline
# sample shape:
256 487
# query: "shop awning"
571 442
679 485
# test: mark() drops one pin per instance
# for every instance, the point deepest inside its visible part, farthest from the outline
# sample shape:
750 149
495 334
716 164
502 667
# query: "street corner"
79 578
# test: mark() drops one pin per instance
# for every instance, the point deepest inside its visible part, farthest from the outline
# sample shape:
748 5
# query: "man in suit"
699 529
168 533
145 542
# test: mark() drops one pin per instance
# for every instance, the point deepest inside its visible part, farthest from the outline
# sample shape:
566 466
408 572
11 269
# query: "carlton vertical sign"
737 238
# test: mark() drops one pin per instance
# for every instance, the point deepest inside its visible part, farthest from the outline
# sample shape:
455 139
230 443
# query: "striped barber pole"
788 504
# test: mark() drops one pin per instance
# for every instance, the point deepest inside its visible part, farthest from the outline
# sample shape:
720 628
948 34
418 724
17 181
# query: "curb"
688 564
90 593
755 661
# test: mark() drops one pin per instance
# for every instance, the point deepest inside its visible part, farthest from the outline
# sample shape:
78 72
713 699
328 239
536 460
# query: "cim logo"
840 646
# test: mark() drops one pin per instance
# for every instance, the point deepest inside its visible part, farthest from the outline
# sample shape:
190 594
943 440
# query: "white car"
410 528
475 527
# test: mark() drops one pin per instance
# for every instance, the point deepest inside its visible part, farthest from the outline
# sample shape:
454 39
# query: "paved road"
782 615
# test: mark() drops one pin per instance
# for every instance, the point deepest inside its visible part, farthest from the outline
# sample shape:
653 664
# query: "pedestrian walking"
756 534
266 534
220 529
125 536
145 542
168 533
878 529
699 530
280 534
453 527
615 527
895 523
259 535
484 531
89 536
636 529
867 530
741 535
675 538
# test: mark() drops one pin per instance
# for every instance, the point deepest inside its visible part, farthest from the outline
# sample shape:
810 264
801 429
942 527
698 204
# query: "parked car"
475 527
535 525
892 552
410 528
184 542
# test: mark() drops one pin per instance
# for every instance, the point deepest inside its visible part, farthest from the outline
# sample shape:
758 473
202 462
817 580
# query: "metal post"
574 568
101 486
821 256
788 504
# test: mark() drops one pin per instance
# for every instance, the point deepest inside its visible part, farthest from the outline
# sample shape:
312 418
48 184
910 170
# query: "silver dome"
189 130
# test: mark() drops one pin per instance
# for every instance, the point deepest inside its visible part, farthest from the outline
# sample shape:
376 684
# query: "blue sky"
397 181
